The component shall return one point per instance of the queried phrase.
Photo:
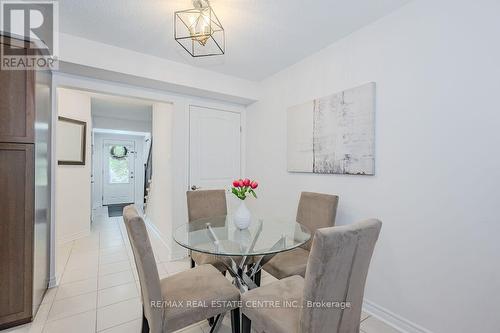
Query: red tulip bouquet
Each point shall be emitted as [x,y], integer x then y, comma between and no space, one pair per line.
[243,187]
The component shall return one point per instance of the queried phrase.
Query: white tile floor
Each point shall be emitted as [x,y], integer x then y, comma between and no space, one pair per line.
[99,289]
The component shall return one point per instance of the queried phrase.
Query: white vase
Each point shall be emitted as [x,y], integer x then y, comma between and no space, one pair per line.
[242,216]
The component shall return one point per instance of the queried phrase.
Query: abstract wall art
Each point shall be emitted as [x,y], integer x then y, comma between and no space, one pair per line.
[333,134]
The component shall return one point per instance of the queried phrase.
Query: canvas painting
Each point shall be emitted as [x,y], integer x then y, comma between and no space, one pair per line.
[333,134]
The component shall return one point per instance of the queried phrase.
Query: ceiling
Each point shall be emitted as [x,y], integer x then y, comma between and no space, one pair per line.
[262,36]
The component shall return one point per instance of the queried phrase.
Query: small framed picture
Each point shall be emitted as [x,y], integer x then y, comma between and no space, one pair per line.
[71,141]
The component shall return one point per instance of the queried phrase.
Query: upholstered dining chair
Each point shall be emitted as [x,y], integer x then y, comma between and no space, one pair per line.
[315,210]
[205,204]
[336,272]
[166,302]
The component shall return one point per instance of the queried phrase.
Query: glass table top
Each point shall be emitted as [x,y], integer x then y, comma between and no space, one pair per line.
[219,236]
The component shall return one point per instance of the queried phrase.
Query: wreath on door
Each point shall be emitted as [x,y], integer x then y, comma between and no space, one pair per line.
[119,152]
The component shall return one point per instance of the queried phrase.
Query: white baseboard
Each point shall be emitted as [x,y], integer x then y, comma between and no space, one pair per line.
[158,234]
[390,318]
[53,281]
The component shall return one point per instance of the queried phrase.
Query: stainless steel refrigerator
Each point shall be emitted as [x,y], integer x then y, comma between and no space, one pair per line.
[41,247]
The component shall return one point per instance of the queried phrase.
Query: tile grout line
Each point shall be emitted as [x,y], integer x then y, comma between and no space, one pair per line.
[127,322]
[131,259]
[54,299]
[66,317]
[110,304]
[85,293]
[75,281]
[139,317]
[91,278]
[97,292]
[66,262]
[98,278]
[120,271]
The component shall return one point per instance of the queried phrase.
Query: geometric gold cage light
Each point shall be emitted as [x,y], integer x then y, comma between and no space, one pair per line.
[199,31]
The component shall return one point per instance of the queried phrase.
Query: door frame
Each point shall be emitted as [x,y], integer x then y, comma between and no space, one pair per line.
[236,109]
[102,135]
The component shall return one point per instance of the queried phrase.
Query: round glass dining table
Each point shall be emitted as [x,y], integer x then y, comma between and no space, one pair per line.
[243,252]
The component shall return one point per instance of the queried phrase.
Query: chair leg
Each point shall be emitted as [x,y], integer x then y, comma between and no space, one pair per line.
[192,263]
[235,320]
[246,324]
[256,278]
[145,325]
[217,323]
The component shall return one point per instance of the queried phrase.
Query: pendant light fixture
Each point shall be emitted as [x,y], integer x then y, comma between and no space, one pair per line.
[199,31]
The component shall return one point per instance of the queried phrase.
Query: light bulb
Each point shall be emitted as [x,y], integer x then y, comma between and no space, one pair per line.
[199,27]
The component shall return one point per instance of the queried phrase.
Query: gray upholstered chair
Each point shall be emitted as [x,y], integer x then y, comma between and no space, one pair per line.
[165,301]
[205,204]
[315,210]
[336,272]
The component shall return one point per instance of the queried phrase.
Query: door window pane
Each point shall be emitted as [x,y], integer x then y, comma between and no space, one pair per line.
[119,172]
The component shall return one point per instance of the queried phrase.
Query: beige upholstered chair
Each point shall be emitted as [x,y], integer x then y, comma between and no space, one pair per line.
[165,301]
[336,272]
[315,211]
[205,204]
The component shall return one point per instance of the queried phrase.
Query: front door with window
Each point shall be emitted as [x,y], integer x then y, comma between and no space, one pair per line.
[118,172]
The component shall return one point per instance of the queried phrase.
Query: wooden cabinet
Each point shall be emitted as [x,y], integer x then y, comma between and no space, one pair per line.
[17,109]
[17,192]
[16,233]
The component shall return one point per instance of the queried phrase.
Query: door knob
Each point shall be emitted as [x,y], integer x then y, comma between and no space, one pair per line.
[194,188]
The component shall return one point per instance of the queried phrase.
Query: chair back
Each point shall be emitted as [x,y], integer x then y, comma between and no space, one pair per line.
[336,272]
[206,203]
[146,268]
[316,210]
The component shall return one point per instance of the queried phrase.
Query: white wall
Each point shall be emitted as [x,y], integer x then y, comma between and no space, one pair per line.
[85,57]
[72,182]
[437,171]
[121,124]
[159,205]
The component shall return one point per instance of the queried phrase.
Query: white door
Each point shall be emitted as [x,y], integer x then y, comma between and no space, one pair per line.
[214,148]
[118,183]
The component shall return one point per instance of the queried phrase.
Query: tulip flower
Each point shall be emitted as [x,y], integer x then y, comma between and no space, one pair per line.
[243,187]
